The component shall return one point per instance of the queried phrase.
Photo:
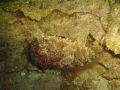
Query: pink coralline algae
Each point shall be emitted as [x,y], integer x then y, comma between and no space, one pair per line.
[62,53]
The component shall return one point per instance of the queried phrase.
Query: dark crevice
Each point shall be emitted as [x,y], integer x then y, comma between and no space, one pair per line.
[20,14]
[90,40]
[63,37]
[111,52]
[102,25]
[103,66]
[6,1]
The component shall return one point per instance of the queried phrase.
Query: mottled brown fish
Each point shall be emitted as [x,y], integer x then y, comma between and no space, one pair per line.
[61,53]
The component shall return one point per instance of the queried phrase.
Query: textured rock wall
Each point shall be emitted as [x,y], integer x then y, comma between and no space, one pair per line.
[92,23]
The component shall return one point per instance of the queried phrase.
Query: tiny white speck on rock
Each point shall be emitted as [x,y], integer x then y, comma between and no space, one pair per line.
[22,73]
[39,71]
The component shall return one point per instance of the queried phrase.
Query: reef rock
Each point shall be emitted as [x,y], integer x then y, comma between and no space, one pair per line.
[60,52]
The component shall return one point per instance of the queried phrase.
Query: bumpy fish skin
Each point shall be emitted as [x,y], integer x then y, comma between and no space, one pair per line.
[61,53]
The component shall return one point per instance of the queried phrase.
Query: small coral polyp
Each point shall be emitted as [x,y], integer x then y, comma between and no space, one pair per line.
[62,53]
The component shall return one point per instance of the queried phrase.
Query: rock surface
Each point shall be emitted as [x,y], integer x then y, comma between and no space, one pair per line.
[92,25]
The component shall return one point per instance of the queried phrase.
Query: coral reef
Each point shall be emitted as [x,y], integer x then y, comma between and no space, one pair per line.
[113,31]
[112,73]
[113,44]
[75,41]
[88,78]
[32,81]
[63,25]
[114,84]
[38,9]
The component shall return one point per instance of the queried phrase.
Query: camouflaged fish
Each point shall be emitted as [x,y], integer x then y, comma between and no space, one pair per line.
[62,53]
